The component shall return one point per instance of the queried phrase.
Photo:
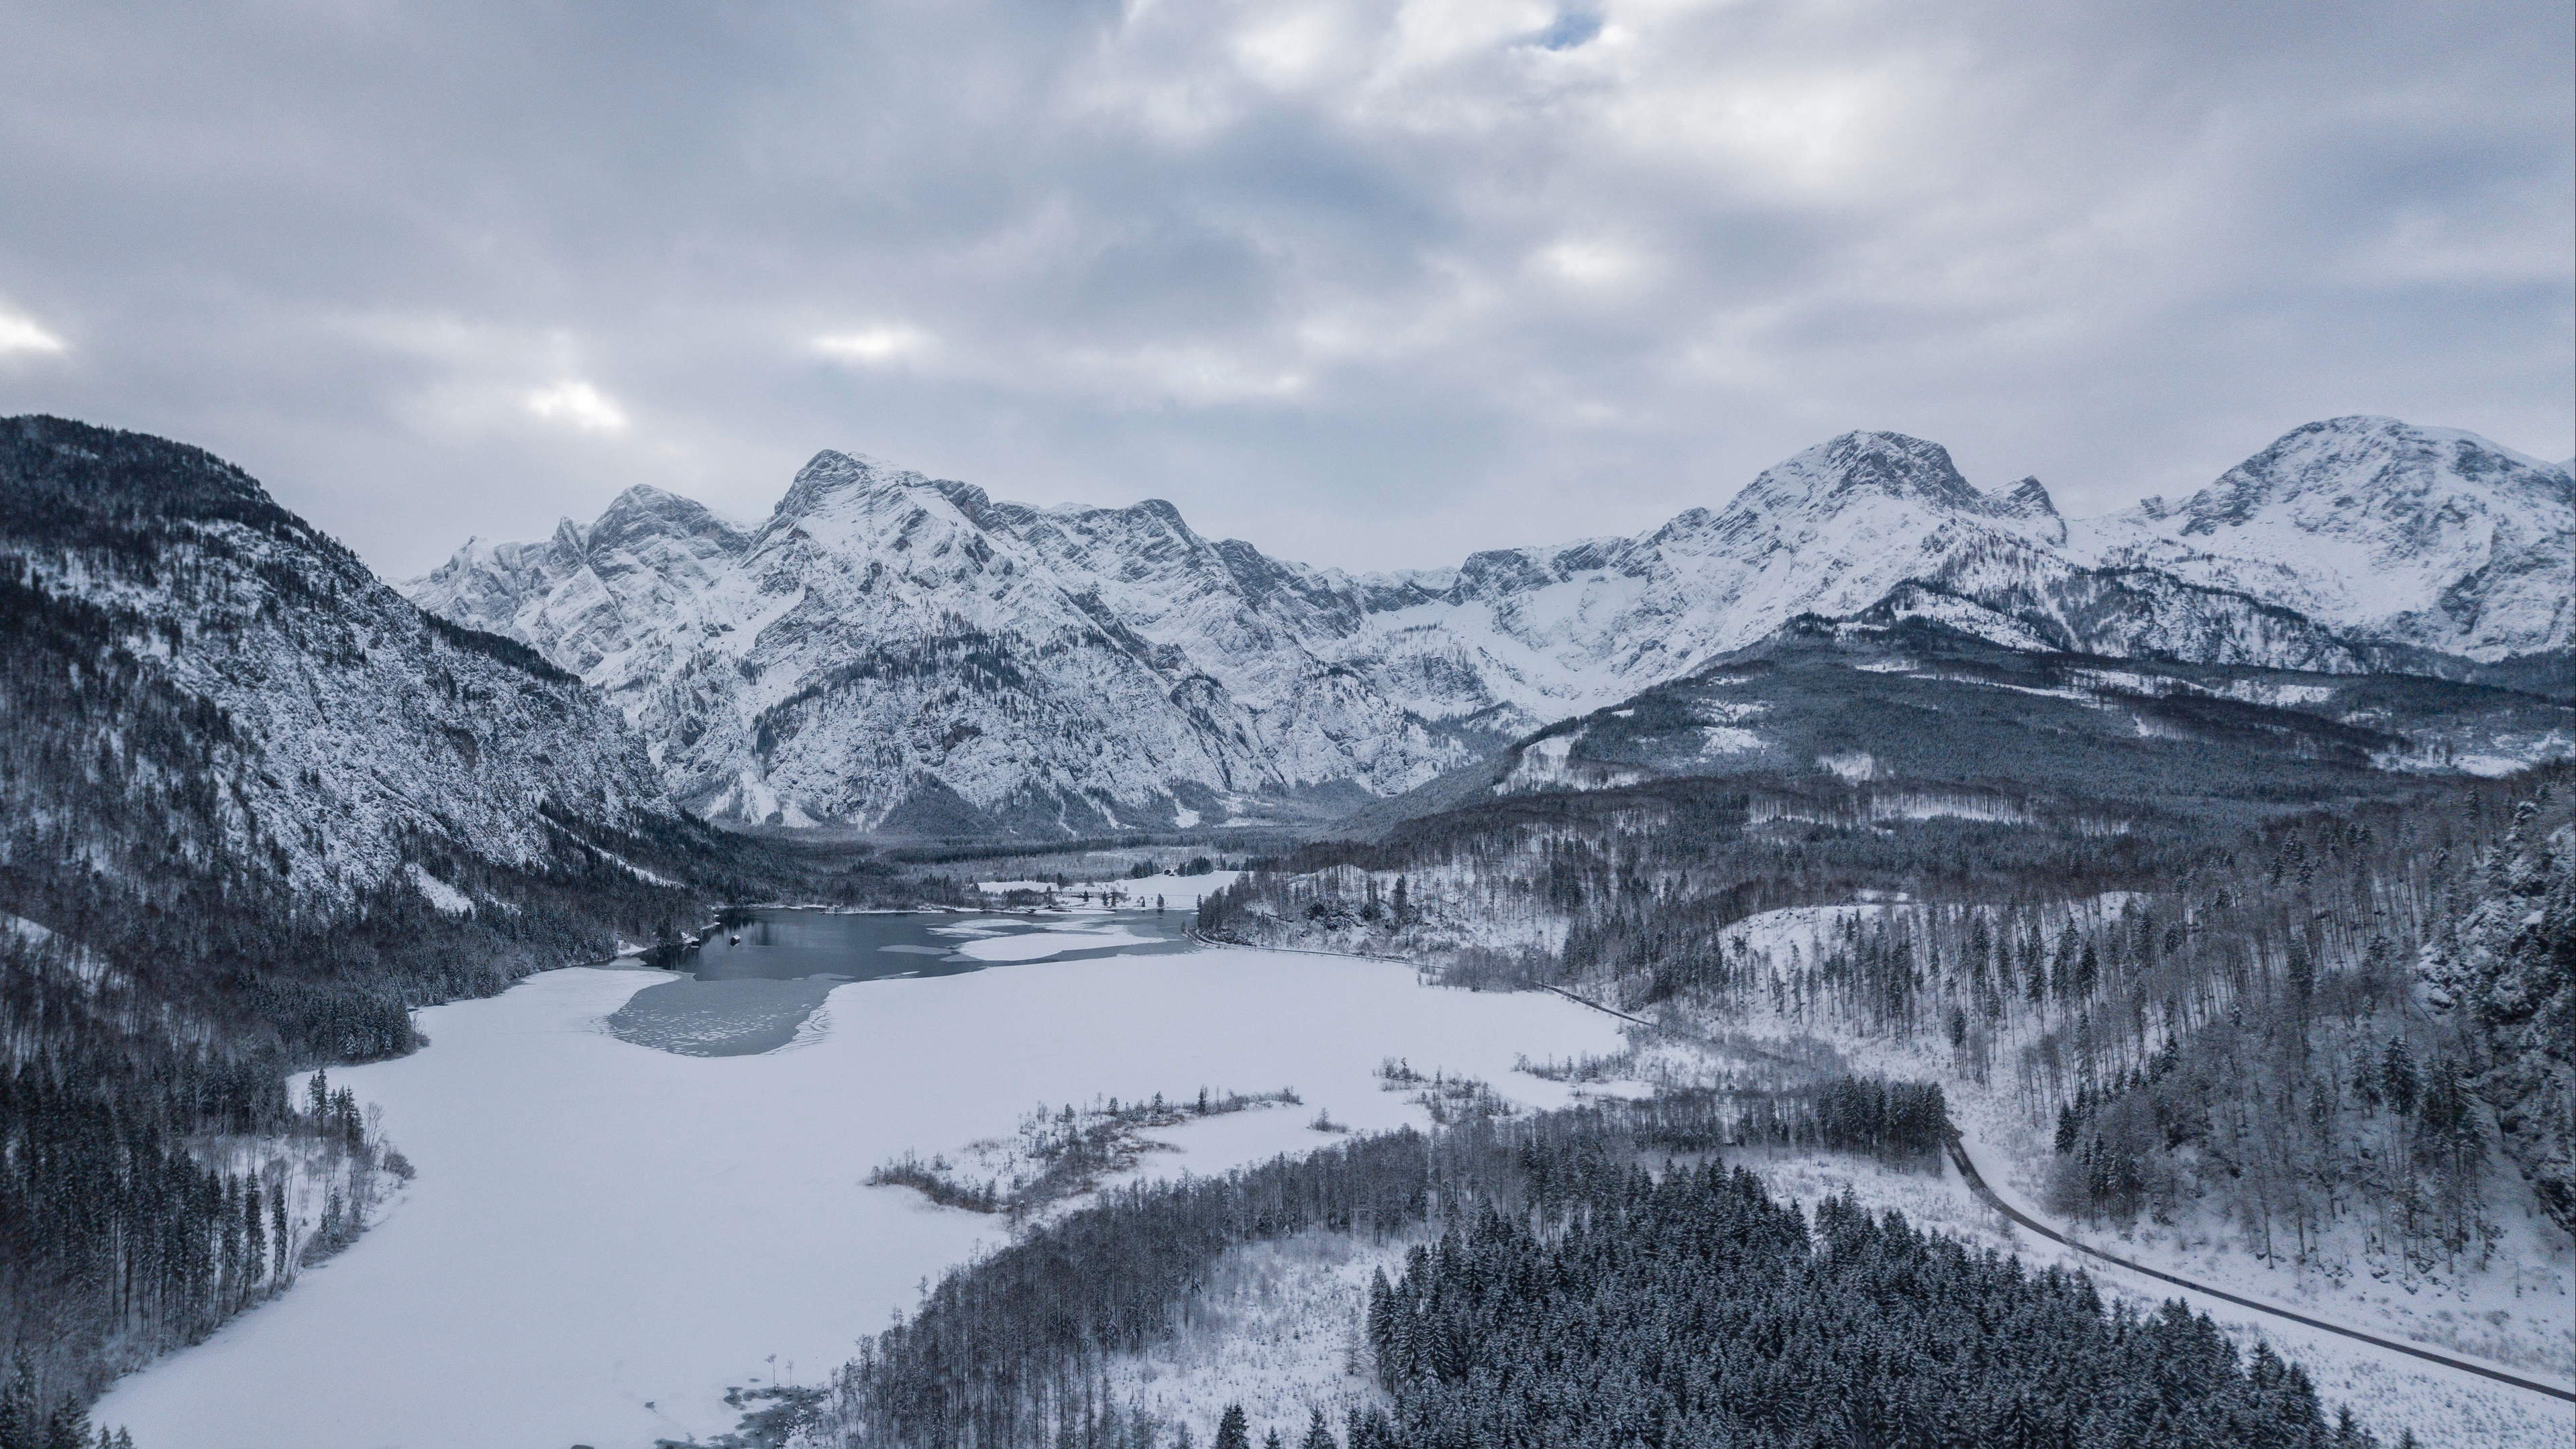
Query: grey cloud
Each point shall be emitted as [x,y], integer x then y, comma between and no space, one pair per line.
[1367,284]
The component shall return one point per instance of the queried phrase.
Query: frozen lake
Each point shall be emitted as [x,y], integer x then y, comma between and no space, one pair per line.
[605,1235]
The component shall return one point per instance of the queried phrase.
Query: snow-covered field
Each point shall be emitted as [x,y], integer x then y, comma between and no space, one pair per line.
[603,1237]
[1056,939]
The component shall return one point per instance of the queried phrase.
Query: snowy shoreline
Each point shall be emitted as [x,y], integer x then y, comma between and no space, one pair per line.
[604,1237]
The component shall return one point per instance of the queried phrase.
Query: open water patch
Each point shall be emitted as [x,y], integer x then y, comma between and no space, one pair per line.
[751,988]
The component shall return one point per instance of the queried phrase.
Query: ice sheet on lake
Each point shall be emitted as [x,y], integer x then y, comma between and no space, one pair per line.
[604,1236]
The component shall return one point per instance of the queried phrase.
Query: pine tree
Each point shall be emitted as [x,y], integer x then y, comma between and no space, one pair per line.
[254,1234]
[20,1420]
[67,1427]
[279,1241]
[1233,1429]
[1318,1435]
[2397,1076]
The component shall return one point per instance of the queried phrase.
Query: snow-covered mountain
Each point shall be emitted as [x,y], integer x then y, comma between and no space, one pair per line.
[201,687]
[896,653]
[2427,536]
[1849,524]
[893,652]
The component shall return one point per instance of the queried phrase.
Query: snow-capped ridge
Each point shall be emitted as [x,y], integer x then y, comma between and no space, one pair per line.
[1864,461]
[893,648]
[2435,537]
[831,474]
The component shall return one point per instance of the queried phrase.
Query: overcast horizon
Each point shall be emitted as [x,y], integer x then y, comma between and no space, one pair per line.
[1371,286]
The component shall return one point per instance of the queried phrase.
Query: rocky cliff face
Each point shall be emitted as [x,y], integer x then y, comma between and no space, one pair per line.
[893,652]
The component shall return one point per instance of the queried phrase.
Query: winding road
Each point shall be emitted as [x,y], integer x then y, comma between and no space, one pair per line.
[1977,1183]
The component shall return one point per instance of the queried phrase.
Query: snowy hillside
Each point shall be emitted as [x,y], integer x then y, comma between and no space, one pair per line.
[200,681]
[892,652]
[2427,536]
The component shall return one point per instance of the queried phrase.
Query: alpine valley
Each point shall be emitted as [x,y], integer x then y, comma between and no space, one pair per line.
[906,657]
[1859,829]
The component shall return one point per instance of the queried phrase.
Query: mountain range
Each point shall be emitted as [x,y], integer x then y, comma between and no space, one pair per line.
[893,653]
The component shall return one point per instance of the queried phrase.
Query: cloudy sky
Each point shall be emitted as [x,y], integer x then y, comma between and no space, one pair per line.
[1370,284]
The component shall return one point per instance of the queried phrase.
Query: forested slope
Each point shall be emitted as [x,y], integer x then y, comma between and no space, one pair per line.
[254,807]
[2501,967]
[2202,951]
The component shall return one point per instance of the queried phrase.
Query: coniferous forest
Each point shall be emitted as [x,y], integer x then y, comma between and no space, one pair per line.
[1593,1276]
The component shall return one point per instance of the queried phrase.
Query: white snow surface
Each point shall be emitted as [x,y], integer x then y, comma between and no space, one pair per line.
[1053,940]
[447,899]
[603,1237]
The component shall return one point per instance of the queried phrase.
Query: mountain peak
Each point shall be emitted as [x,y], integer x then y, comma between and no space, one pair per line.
[645,498]
[646,512]
[2361,463]
[2029,499]
[2028,502]
[1891,464]
[831,474]
[2431,536]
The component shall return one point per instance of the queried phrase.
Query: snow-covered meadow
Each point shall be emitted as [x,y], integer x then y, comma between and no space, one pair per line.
[603,1237]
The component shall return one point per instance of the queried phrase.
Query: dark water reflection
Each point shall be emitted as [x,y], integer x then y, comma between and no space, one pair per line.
[750,989]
